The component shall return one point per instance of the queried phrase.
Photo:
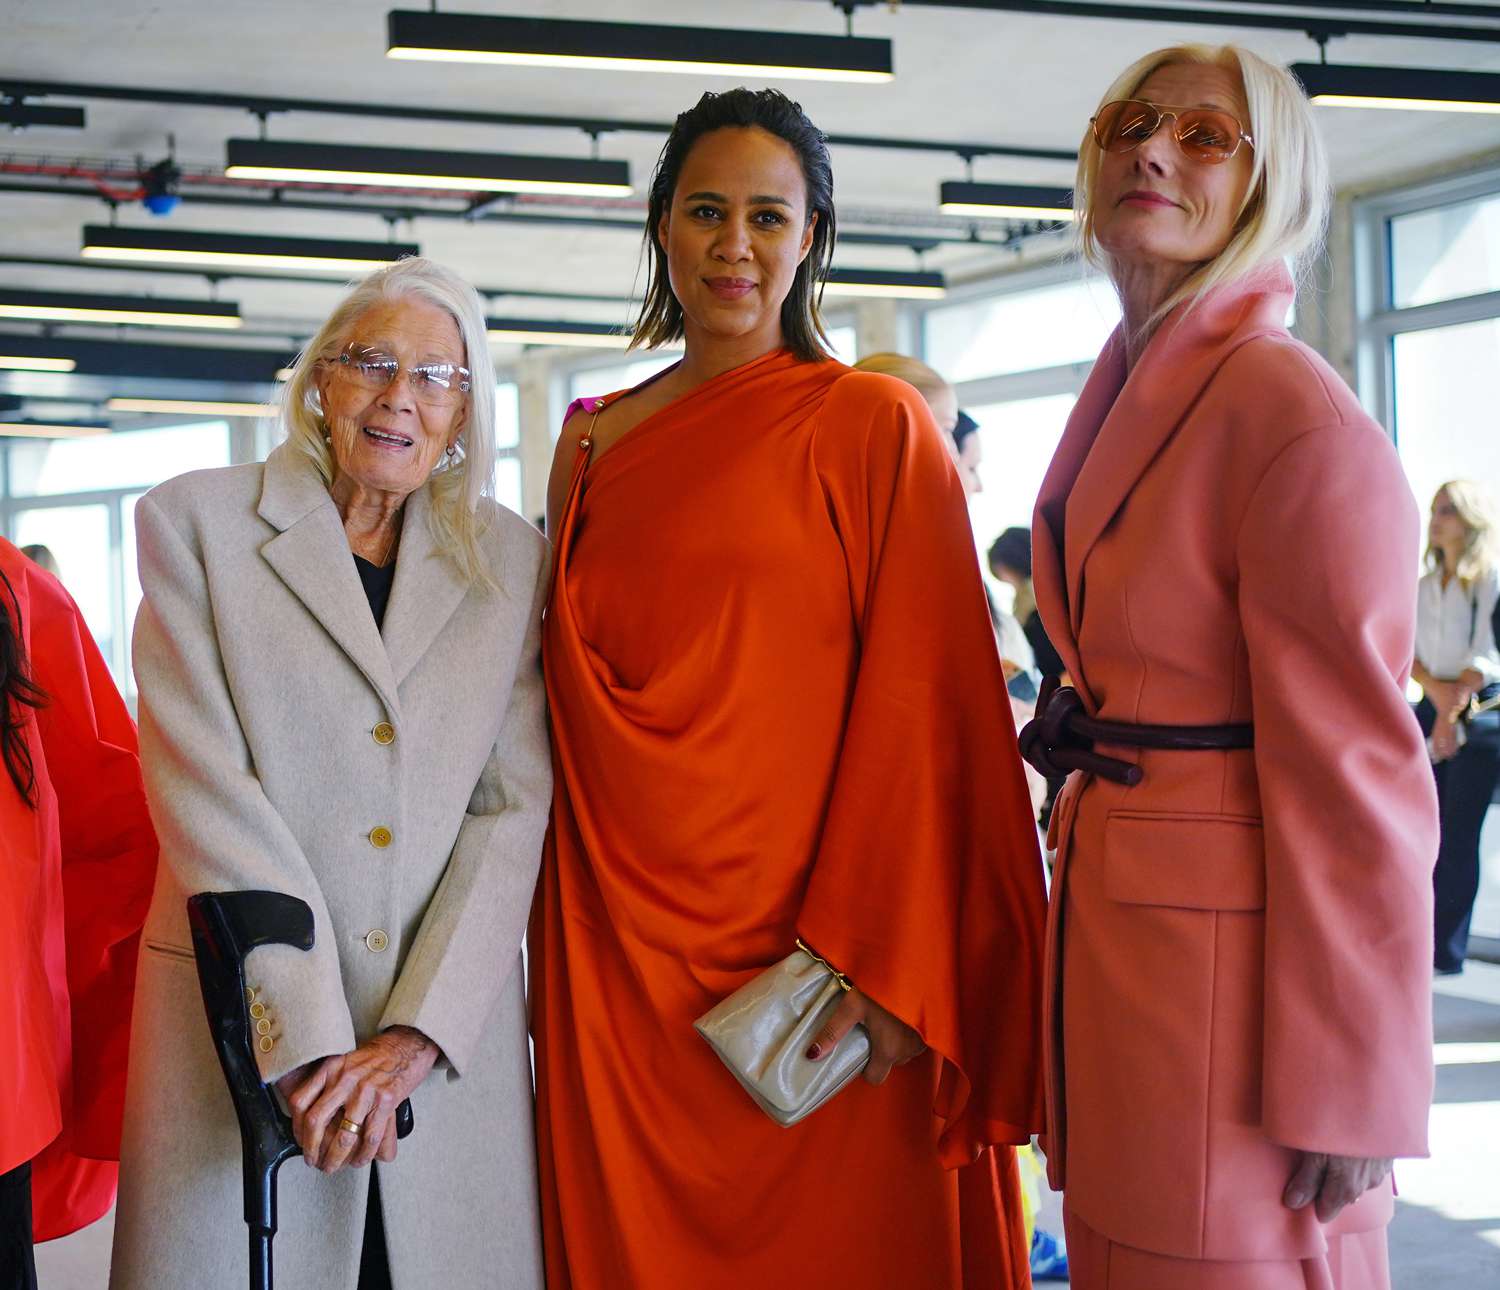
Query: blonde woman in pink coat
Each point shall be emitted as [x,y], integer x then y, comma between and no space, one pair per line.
[1240,942]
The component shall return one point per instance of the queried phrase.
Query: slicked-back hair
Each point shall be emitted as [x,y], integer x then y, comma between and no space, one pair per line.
[661,321]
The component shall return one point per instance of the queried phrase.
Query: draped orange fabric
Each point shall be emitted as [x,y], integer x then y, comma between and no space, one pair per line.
[777,710]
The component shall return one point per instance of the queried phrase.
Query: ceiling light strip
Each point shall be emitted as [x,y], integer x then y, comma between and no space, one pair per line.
[194,407]
[318,163]
[529,331]
[239,250]
[606,46]
[25,363]
[1405,89]
[1005,201]
[45,430]
[889,284]
[149,311]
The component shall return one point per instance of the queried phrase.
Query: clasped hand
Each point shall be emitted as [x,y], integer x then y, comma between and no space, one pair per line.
[364,1086]
[1332,1182]
[892,1042]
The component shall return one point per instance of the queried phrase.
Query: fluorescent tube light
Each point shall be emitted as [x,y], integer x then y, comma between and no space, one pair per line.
[319,163]
[1405,89]
[148,311]
[1005,201]
[46,430]
[641,47]
[529,331]
[239,250]
[194,407]
[22,363]
[886,283]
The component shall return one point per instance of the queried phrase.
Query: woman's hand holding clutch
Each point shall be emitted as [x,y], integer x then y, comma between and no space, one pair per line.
[892,1042]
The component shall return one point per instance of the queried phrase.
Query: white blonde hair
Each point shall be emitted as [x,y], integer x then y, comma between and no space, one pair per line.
[458,482]
[1476,509]
[1285,211]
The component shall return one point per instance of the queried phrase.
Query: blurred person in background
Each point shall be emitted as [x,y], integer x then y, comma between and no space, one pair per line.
[1458,668]
[42,555]
[968,451]
[77,860]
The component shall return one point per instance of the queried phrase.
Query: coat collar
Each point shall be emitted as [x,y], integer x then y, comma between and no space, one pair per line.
[1120,425]
[310,553]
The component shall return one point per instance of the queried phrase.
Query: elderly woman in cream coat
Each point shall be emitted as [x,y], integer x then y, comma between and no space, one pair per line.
[390,767]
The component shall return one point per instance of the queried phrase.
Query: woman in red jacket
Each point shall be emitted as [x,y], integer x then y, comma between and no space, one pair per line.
[77,861]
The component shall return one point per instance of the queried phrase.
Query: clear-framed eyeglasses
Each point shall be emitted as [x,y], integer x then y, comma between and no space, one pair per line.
[435,384]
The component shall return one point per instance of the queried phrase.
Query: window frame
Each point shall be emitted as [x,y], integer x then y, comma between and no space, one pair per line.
[1377,320]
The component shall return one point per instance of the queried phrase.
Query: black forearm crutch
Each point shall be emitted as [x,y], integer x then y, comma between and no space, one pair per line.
[226,926]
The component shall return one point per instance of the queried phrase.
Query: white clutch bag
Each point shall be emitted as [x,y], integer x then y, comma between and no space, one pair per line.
[763,1030]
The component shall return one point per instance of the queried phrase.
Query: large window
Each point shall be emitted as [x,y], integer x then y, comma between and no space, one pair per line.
[1018,359]
[77,497]
[1430,327]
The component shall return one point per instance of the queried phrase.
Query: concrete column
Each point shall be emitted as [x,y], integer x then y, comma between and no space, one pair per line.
[879,325]
[538,415]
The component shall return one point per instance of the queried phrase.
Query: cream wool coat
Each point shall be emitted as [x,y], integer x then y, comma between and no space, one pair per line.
[263,680]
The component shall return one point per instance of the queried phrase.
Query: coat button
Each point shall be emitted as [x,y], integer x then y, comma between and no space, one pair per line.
[257,1010]
[380,837]
[376,941]
[267,1043]
[263,1026]
[384,733]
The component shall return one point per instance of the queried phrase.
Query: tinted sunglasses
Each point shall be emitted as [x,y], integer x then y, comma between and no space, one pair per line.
[1204,134]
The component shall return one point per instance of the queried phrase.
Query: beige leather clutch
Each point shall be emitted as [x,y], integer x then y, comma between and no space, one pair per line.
[762,1032]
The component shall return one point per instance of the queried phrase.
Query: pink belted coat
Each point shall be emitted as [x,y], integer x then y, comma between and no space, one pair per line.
[1239,947]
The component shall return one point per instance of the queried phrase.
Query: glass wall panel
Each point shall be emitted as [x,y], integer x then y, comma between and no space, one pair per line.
[79,537]
[1447,387]
[1018,438]
[508,483]
[507,415]
[125,459]
[1067,322]
[843,342]
[594,381]
[1445,252]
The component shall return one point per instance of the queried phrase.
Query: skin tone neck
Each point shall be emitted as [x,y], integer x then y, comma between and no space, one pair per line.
[1160,214]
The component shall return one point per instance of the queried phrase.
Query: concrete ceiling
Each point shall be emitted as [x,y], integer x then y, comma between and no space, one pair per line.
[962,74]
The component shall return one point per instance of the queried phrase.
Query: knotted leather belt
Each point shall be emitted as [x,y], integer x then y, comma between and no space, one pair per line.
[1062,736]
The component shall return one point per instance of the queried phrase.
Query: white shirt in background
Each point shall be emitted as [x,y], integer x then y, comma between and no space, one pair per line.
[1455,631]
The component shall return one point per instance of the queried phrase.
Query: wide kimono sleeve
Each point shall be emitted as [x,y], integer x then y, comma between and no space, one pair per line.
[471,934]
[927,887]
[219,831]
[1327,558]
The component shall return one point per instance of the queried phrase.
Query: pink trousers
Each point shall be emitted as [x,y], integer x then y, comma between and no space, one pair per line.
[1354,1262]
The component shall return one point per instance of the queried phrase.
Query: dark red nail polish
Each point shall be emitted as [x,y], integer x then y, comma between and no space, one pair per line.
[812,1053]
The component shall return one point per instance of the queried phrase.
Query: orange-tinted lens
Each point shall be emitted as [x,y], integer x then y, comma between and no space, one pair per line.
[1208,136]
[1124,125]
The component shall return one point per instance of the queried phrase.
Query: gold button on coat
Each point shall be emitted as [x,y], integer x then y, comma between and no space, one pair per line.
[267,1043]
[384,733]
[380,836]
[263,1026]
[377,941]
[257,1010]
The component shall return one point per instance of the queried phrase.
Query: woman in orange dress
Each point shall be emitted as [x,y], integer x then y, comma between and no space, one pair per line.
[778,711]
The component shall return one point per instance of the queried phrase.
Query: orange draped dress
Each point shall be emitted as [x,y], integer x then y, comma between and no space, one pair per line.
[778,710]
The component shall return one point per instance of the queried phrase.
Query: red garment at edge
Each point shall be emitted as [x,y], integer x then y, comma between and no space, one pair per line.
[75,880]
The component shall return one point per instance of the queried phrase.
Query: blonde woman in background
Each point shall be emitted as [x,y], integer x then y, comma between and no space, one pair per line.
[1458,663]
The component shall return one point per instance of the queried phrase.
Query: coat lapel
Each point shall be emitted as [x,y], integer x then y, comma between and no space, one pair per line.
[1054,596]
[427,591]
[311,555]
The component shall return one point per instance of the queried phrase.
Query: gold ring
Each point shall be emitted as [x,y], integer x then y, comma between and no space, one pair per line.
[351,1126]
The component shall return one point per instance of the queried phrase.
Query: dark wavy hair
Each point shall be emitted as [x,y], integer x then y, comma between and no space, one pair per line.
[660,321]
[17,691]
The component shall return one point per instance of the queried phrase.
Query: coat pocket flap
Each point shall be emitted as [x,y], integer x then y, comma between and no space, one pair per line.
[1186,861]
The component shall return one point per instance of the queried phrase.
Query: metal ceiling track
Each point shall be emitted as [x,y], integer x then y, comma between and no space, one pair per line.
[265,106]
[1332,22]
[913,241]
